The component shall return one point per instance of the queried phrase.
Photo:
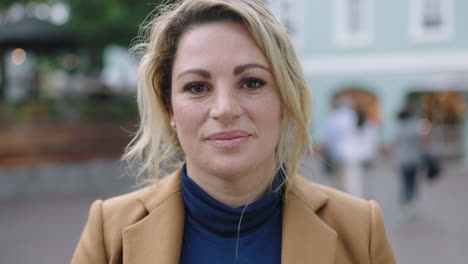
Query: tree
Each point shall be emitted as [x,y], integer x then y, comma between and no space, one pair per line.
[101,22]
[97,23]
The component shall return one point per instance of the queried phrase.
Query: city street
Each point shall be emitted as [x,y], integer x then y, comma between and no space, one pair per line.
[82,82]
[42,229]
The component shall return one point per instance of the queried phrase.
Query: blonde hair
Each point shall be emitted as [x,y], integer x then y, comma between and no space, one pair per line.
[155,144]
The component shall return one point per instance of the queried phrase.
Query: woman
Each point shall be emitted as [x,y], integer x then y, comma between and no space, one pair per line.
[223,98]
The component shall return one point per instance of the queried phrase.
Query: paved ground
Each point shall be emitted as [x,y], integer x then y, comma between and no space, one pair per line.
[43,229]
[436,230]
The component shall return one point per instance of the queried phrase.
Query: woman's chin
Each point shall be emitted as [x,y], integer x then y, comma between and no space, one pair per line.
[230,171]
[231,168]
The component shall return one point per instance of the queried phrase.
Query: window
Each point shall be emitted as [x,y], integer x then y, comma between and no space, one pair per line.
[352,23]
[291,14]
[431,20]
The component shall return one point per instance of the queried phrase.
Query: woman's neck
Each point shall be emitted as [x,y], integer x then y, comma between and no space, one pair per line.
[233,190]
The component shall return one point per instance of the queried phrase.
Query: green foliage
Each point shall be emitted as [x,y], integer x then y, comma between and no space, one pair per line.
[97,23]
[72,110]
[6,3]
[117,110]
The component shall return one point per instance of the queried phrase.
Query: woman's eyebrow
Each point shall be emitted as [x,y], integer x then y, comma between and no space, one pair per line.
[200,72]
[237,70]
[241,68]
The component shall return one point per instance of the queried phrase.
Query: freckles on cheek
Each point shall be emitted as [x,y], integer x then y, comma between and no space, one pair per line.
[186,116]
[269,110]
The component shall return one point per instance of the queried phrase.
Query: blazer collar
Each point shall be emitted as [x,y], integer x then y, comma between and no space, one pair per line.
[305,236]
[157,238]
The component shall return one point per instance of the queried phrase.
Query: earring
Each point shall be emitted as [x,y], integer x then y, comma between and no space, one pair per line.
[173,124]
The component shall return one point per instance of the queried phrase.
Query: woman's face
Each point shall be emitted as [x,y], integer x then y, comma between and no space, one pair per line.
[226,105]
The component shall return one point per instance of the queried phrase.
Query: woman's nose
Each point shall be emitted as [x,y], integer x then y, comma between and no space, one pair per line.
[225,105]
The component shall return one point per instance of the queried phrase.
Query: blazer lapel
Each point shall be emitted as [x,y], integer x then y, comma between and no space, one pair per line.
[157,238]
[305,236]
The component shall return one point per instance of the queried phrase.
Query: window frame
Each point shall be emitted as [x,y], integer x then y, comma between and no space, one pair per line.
[419,33]
[342,36]
[296,16]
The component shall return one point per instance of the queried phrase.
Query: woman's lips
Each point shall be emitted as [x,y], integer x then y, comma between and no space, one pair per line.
[228,139]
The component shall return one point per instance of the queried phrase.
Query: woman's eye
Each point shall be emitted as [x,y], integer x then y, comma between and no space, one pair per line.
[252,83]
[196,88]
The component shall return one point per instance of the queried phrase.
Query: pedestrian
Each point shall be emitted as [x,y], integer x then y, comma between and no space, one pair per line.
[408,153]
[339,127]
[222,95]
[359,151]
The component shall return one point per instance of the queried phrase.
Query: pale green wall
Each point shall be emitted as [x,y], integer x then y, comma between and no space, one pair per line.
[390,29]
[390,36]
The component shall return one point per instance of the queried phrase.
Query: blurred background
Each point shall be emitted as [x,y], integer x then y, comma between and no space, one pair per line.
[68,109]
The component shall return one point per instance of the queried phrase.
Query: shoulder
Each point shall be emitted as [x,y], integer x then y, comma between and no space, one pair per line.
[125,208]
[131,207]
[349,216]
[102,235]
[324,198]
[358,223]
[338,209]
[340,202]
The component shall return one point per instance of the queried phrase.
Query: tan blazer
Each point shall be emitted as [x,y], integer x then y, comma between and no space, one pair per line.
[320,226]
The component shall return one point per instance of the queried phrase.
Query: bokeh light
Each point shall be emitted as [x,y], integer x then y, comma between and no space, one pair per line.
[59,13]
[18,56]
[42,11]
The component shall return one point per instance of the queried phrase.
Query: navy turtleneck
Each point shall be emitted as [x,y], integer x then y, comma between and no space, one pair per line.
[211,227]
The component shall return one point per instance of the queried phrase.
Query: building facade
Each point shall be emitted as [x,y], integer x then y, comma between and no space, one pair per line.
[385,54]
